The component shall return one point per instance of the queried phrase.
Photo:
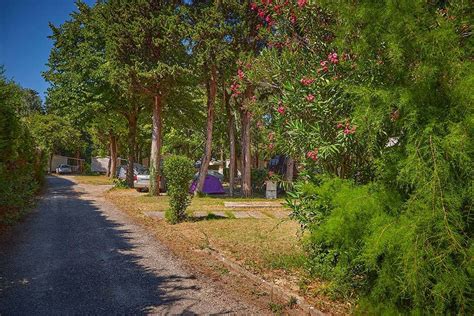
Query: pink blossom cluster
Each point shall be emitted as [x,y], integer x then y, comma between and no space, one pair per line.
[310,98]
[347,127]
[324,66]
[266,11]
[240,74]
[281,110]
[302,3]
[307,81]
[235,89]
[313,154]
[333,58]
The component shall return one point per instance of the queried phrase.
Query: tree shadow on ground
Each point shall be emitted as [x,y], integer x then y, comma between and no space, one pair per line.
[68,258]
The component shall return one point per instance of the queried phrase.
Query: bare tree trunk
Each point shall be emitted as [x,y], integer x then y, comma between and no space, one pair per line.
[211,100]
[132,137]
[109,163]
[290,165]
[113,156]
[246,155]
[231,131]
[51,162]
[156,142]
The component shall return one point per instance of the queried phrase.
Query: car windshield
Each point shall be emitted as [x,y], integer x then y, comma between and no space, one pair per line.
[143,171]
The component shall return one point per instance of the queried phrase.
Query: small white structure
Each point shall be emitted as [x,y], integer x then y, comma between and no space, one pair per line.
[271,191]
[75,163]
[101,164]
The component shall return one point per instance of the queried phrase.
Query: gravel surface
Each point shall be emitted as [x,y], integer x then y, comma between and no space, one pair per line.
[78,254]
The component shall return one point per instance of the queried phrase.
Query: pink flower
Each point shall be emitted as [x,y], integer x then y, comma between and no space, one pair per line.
[302,3]
[313,154]
[323,63]
[310,98]
[293,18]
[241,74]
[307,81]
[259,124]
[333,58]
[281,110]
[339,125]
[253,6]
[271,136]
[271,146]
[261,13]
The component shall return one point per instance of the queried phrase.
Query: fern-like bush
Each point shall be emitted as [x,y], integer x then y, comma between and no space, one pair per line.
[179,172]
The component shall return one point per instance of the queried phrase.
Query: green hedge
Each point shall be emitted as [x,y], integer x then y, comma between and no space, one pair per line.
[21,165]
[179,172]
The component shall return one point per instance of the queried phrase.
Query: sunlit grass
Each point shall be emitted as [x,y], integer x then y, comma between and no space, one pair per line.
[93,179]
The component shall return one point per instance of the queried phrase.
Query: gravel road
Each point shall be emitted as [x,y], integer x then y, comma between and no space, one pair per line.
[78,254]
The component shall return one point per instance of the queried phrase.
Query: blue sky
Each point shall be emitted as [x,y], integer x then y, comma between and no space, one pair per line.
[24,43]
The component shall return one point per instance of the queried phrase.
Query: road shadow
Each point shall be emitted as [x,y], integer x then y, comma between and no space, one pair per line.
[68,258]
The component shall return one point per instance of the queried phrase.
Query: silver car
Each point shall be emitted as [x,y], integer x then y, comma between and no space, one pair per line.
[62,169]
[141,181]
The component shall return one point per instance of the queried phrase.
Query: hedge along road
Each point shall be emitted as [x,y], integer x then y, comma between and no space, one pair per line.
[77,254]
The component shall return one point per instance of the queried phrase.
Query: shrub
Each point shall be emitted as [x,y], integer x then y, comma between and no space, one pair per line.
[369,243]
[179,172]
[258,177]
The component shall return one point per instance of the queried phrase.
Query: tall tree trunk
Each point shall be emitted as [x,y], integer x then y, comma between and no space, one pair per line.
[246,154]
[113,156]
[211,100]
[109,163]
[132,138]
[156,142]
[231,131]
[290,165]
[51,162]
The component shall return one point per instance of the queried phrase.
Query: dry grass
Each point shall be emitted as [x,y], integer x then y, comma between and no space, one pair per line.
[268,247]
[145,202]
[94,179]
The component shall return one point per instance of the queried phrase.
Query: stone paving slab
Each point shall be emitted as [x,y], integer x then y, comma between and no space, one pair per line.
[155,214]
[256,214]
[253,205]
[281,214]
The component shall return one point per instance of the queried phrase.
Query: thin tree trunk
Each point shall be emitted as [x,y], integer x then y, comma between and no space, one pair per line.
[211,100]
[246,155]
[156,141]
[51,162]
[132,137]
[231,131]
[109,163]
[290,165]
[113,156]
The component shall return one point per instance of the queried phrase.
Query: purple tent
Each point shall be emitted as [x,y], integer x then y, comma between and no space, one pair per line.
[212,185]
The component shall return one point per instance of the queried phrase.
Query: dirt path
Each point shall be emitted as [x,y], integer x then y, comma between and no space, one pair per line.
[78,254]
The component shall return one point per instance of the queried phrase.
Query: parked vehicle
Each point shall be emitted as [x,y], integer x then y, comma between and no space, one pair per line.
[63,169]
[137,169]
[141,181]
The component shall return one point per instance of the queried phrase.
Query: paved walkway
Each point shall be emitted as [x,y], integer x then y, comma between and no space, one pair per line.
[79,255]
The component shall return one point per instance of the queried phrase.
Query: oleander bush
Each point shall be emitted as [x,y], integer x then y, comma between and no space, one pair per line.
[375,99]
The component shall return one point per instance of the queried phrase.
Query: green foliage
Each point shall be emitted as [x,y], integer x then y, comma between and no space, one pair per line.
[393,115]
[258,178]
[21,164]
[179,172]
[120,183]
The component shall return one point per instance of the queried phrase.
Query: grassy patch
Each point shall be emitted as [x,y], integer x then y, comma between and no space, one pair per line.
[269,247]
[93,179]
